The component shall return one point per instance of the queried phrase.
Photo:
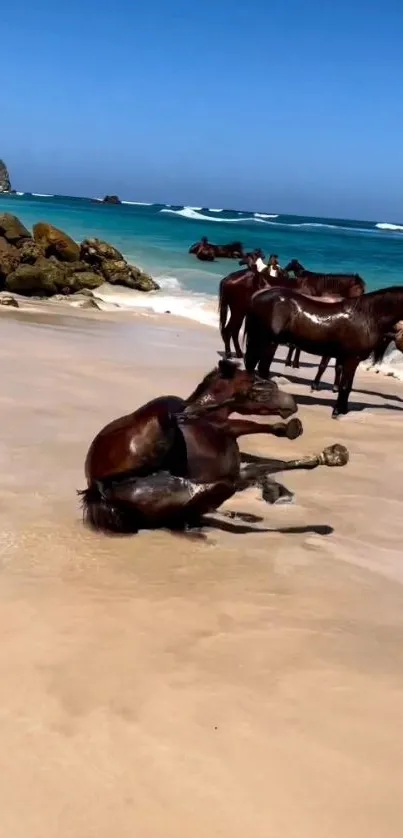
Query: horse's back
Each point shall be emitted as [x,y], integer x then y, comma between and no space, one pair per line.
[125,443]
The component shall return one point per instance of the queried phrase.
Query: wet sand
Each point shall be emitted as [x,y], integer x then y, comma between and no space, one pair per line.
[247,684]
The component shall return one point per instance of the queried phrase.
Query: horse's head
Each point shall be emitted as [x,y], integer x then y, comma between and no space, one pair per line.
[249,259]
[357,287]
[294,267]
[240,391]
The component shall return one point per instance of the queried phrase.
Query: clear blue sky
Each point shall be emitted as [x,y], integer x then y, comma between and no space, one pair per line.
[290,106]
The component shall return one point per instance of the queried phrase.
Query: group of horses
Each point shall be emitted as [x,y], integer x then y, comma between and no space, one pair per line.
[325,314]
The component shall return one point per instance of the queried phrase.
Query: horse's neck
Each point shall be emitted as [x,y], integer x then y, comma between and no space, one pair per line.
[388,309]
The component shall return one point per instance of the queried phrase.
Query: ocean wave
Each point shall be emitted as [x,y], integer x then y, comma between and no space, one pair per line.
[20,193]
[264,215]
[195,215]
[199,307]
[41,195]
[135,203]
[394,227]
[171,283]
[210,209]
[391,364]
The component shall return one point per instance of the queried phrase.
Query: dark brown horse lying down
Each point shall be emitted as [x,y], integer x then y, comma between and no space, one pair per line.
[174,460]
[349,331]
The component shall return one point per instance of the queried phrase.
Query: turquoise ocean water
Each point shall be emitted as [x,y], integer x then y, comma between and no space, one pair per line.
[157,238]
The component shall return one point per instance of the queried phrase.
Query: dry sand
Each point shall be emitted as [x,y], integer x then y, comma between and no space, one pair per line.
[247,685]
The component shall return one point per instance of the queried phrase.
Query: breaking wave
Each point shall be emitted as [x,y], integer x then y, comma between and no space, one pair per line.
[195,215]
[398,228]
[264,215]
[136,203]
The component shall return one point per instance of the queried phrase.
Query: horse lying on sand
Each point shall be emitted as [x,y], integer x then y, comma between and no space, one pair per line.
[349,331]
[174,460]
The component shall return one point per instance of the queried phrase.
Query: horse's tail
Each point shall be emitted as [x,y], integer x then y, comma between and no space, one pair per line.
[222,307]
[102,513]
[252,341]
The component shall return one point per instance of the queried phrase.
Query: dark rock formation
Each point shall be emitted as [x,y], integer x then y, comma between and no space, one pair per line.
[5,183]
[12,228]
[56,243]
[111,199]
[95,251]
[52,264]
[9,258]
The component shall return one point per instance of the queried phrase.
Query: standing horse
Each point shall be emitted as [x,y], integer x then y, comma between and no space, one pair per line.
[349,331]
[235,293]
[347,285]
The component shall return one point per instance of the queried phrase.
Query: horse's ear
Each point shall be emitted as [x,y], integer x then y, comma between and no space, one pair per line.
[227,368]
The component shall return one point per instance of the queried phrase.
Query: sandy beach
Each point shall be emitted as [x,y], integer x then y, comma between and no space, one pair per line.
[247,684]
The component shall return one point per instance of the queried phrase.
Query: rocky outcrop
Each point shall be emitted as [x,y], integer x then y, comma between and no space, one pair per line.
[114,268]
[111,199]
[5,183]
[52,263]
[12,229]
[56,243]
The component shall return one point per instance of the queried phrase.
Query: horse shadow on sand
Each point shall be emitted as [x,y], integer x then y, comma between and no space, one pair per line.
[314,397]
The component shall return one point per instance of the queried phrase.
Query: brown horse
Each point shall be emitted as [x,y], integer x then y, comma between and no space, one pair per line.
[349,331]
[235,293]
[206,251]
[317,284]
[141,441]
[200,466]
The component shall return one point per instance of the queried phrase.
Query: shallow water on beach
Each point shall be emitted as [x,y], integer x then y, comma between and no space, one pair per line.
[157,237]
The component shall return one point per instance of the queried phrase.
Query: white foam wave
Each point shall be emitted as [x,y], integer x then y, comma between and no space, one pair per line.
[195,215]
[136,203]
[391,364]
[210,209]
[20,193]
[264,215]
[169,282]
[198,307]
[41,195]
[394,227]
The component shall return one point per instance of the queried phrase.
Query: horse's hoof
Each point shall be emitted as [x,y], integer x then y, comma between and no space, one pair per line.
[335,455]
[294,429]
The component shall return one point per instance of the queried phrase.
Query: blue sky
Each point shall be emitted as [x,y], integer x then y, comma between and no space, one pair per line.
[287,107]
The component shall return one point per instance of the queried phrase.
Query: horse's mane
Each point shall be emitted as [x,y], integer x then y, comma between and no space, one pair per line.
[373,299]
[202,385]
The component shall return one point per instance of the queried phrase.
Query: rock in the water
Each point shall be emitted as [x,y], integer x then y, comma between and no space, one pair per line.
[84,280]
[5,183]
[95,251]
[9,258]
[56,243]
[120,273]
[111,199]
[8,300]
[12,229]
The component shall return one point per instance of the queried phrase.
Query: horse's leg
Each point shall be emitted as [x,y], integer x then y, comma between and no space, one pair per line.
[266,359]
[235,329]
[295,363]
[348,369]
[321,369]
[337,376]
[160,500]
[333,455]
[226,336]
[288,360]
[243,427]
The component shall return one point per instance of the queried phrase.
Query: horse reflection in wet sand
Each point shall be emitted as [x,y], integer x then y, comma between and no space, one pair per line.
[174,460]
[349,331]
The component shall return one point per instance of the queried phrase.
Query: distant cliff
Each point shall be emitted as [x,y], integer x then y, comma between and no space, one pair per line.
[5,183]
